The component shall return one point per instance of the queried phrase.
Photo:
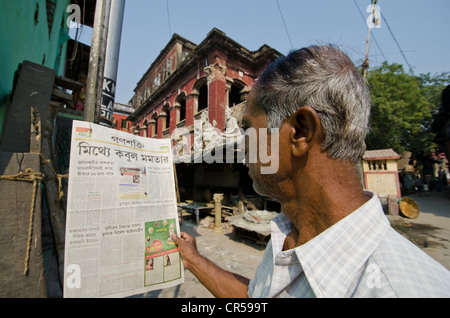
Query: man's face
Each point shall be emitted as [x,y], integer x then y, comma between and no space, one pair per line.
[261,149]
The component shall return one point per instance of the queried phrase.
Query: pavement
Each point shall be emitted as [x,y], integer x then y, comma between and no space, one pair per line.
[430,231]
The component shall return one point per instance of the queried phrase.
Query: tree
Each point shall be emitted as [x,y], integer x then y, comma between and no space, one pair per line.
[401,114]
[432,87]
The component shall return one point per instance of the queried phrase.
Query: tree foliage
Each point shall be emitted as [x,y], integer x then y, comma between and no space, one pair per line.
[402,106]
[432,87]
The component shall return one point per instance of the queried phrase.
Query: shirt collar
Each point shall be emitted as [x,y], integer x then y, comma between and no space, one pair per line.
[332,260]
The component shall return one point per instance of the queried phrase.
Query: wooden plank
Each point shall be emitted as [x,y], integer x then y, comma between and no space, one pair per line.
[68,83]
[15,202]
[59,95]
[33,88]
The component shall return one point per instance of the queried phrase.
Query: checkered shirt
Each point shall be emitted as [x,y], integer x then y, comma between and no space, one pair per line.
[360,256]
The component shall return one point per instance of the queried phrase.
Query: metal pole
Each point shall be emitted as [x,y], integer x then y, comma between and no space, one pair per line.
[111,62]
[102,59]
[96,60]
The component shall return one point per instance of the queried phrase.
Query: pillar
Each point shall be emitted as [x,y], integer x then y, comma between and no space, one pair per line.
[160,125]
[217,93]
[218,197]
[173,118]
[143,131]
[151,128]
[190,110]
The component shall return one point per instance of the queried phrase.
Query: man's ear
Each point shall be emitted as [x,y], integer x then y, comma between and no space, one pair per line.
[306,130]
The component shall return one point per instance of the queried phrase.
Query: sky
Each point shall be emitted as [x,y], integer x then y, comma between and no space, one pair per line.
[416,33]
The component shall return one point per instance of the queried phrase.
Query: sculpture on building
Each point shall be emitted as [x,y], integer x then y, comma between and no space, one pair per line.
[180,147]
[232,130]
[206,138]
[205,134]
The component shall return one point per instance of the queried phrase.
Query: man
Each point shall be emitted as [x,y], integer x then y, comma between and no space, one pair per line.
[332,239]
[441,123]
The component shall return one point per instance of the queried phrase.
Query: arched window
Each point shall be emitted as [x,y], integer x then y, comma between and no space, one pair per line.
[144,127]
[167,120]
[181,100]
[203,97]
[155,125]
[234,97]
[237,92]
[201,91]
[183,109]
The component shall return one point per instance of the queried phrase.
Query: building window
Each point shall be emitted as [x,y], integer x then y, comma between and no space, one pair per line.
[183,109]
[139,98]
[144,129]
[167,120]
[234,97]
[154,122]
[157,81]
[181,101]
[167,69]
[377,165]
[203,97]
[148,90]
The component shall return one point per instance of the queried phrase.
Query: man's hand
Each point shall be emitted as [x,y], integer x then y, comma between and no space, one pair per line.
[187,247]
[219,282]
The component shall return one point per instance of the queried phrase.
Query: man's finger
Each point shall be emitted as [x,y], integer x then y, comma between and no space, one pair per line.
[175,238]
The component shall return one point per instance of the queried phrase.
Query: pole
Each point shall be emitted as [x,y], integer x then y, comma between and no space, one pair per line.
[96,60]
[108,92]
[365,64]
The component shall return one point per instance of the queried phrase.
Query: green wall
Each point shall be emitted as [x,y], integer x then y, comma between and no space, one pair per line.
[24,35]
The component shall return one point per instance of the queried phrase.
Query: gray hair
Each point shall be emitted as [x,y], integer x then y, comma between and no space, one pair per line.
[325,79]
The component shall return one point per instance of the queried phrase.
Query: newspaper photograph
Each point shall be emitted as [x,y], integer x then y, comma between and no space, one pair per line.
[121,213]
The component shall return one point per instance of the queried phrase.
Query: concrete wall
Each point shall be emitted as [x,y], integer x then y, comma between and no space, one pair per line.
[382,179]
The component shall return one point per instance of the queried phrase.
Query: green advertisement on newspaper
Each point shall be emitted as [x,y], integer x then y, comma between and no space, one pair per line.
[162,260]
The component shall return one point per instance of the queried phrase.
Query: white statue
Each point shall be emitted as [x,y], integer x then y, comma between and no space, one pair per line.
[232,127]
[205,134]
[181,150]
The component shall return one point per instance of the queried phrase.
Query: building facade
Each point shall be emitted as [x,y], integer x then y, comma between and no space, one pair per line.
[120,116]
[381,172]
[187,80]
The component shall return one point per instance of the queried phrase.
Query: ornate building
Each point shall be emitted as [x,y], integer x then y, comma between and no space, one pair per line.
[120,116]
[187,80]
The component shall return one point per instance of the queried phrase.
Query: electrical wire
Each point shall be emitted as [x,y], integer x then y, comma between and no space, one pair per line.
[168,18]
[398,45]
[284,22]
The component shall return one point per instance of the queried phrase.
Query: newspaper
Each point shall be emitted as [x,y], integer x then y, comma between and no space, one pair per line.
[121,213]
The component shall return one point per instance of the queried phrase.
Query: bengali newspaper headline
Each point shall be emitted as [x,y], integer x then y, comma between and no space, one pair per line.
[86,148]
